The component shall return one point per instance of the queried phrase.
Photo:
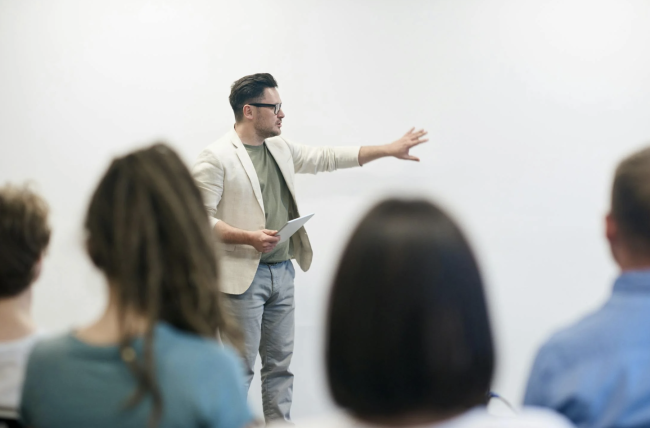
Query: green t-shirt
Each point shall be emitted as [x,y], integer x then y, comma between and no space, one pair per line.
[278,203]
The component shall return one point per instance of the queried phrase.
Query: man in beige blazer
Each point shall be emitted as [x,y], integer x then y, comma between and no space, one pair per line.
[247,182]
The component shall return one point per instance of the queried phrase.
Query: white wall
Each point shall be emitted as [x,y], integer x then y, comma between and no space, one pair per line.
[529,105]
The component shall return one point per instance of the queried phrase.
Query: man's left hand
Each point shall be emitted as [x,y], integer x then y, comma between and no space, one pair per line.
[400,148]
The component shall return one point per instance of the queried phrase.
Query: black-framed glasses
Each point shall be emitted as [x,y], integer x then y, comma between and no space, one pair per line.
[276,107]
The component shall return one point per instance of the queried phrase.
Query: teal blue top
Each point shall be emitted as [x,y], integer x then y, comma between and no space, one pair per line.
[70,383]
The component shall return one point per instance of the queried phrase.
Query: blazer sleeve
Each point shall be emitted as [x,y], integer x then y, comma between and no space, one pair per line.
[312,160]
[208,174]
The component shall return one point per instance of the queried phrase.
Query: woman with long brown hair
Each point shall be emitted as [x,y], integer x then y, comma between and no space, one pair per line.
[152,358]
[409,341]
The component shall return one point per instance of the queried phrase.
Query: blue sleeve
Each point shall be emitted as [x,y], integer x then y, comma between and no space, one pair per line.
[224,398]
[542,388]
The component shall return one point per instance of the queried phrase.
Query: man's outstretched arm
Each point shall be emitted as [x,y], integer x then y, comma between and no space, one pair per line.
[398,149]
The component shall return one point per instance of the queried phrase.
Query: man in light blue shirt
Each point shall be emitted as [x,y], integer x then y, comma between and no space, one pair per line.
[597,372]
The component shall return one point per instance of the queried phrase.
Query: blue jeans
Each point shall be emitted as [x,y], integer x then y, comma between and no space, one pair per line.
[265,313]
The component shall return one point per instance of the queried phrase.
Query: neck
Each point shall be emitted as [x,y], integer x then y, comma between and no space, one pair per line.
[248,135]
[630,266]
[110,328]
[15,317]
[629,260]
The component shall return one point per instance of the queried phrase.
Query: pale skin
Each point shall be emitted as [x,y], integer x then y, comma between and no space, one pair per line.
[107,330]
[260,123]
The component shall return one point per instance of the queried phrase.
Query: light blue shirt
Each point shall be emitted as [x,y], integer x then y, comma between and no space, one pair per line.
[597,372]
[70,383]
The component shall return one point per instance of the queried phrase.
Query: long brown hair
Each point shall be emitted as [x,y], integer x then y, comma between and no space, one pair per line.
[149,234]
[408,330]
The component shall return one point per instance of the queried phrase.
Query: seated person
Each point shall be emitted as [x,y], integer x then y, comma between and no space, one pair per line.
[409,341]
[596,372]
[24,236]
[152,358]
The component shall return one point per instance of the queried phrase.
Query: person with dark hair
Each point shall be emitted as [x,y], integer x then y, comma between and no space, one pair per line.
[596,371]
[24,237]
[247,181]
[408,339]
[152,359]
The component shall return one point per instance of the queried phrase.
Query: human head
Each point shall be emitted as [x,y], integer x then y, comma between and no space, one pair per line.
[257,88]
[408,328]
[628,224]
[24,236]
[148,232]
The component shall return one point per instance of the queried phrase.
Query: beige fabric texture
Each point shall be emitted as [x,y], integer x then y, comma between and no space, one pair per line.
[226,177]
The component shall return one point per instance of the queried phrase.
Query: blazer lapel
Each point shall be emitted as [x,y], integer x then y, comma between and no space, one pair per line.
[248,167]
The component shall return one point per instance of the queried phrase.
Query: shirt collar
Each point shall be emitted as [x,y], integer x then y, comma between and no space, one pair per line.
[634,281]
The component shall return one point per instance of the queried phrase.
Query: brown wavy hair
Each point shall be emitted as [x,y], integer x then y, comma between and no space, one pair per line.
[148,232]
[24,236]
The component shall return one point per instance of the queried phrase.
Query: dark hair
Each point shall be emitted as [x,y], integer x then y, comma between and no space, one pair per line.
[408,329]
[24,236]
[247,89]
[149,234]
[631,200]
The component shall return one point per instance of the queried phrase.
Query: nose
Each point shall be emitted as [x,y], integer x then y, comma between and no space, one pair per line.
[280,113]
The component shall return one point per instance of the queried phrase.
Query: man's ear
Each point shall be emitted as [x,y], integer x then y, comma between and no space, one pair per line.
[611,229]
[248,112]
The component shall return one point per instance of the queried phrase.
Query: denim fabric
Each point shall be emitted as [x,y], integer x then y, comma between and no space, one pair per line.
[597,372]
[265,313]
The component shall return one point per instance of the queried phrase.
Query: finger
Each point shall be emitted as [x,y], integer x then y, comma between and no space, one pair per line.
[410,131]
[270,232]
[412,158]
[415,143]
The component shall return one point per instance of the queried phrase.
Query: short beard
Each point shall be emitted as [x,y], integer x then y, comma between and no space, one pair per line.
[266,132]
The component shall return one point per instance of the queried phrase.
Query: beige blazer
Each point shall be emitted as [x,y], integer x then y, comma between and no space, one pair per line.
[231,192]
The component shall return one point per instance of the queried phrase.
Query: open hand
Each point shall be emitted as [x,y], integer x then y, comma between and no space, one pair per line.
[400,148]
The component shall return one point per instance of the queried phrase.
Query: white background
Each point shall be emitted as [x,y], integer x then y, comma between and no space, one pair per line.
[529,106]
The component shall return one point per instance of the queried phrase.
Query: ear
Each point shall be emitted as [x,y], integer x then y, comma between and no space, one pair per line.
[248,112]
[611,229]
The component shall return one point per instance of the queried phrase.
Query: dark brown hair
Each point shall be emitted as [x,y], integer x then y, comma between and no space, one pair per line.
[408,328]
[149,234]
[24,236]
[631,200]
[247,89]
